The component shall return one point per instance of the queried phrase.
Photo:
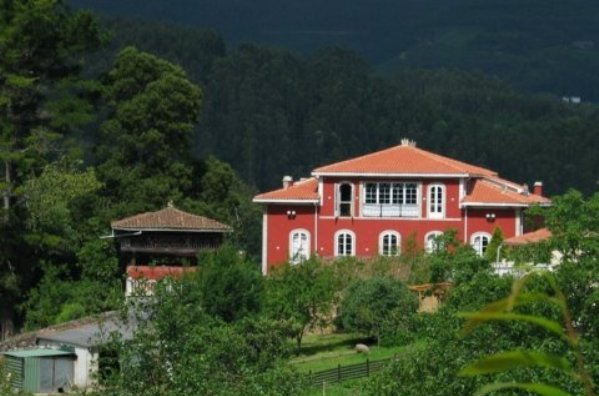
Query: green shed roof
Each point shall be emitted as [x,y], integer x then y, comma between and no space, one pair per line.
[25,353]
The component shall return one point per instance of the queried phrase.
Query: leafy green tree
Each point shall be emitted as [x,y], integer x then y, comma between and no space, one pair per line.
[144,146]
[42,102]
[303,295]
[179,350]
[369,303]
[231,285]
[574,223]
[52,198]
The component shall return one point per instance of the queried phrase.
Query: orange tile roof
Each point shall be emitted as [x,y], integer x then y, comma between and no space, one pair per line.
[489,192]
[169,218]
[530,237]
[402,159]
[305,190]
[157,273]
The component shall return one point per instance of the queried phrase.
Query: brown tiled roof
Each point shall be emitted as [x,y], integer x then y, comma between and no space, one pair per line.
[492,192]
[403,159]
[530,237]
[169,218]
[305,190]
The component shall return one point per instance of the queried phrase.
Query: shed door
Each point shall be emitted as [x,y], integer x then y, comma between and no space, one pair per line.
[56,373]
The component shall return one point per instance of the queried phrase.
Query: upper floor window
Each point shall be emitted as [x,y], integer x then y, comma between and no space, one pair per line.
[344,200]
[345,244]
[479,242]
[389,243]
[386,199]
[436,201]
[432,241]
[299,246]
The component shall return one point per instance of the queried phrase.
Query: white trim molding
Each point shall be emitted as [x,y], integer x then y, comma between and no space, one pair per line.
[264,242]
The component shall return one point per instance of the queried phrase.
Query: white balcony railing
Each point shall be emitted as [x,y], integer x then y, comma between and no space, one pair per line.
[378,210]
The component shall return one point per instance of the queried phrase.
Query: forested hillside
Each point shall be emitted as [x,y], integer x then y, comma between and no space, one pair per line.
[536,45]
[271,112]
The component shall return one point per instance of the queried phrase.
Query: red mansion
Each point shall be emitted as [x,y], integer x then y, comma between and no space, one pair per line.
[369,205]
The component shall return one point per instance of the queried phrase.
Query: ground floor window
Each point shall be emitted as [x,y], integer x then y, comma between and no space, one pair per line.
[432,241]
[389,243]
[299,246]
[345,244]
[479,242]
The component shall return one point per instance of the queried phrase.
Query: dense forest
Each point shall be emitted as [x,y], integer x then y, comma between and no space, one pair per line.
[271,112]
[536,45]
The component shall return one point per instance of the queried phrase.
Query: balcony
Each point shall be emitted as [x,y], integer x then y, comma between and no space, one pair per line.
[185,245]
[387,210]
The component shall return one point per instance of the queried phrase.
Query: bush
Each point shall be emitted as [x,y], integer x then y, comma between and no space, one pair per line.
[370,305]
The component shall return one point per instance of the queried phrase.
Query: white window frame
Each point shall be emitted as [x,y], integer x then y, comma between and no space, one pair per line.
[428,245]
[479,248]
[390,209]
[431,201]
[353,243]
[382,236]
[294,258]
[338,201]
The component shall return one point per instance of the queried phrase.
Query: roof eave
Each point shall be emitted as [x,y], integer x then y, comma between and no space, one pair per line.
[195,230]
[494,205]
[391,174]
[286,201]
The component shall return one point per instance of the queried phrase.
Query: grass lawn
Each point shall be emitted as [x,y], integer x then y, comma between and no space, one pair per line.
[322,352]
[347,388]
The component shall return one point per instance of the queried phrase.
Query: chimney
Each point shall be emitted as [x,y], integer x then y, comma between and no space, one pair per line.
[408,143]
[287,182]
[525,190]
[537,188]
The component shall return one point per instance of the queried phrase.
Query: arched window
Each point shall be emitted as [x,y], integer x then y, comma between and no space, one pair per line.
[436,201]
[479,242]
[344,200]
[299,246]
[432,242]
[345,243]
[389,243]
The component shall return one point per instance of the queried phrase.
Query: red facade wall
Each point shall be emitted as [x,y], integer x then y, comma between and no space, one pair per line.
[368,229]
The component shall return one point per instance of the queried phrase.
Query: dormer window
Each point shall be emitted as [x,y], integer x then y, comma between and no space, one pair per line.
[344,200]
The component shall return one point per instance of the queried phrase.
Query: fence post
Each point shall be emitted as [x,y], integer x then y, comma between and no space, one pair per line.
[367,367]
[339,372]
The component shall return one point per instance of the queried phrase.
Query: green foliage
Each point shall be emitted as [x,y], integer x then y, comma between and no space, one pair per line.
[185,351]
[574,223]
[144,155]
[454,261]
[370,303]
[42,44]
[231,285]
[501,310]
[494,244]
[58,297]
[302,295]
